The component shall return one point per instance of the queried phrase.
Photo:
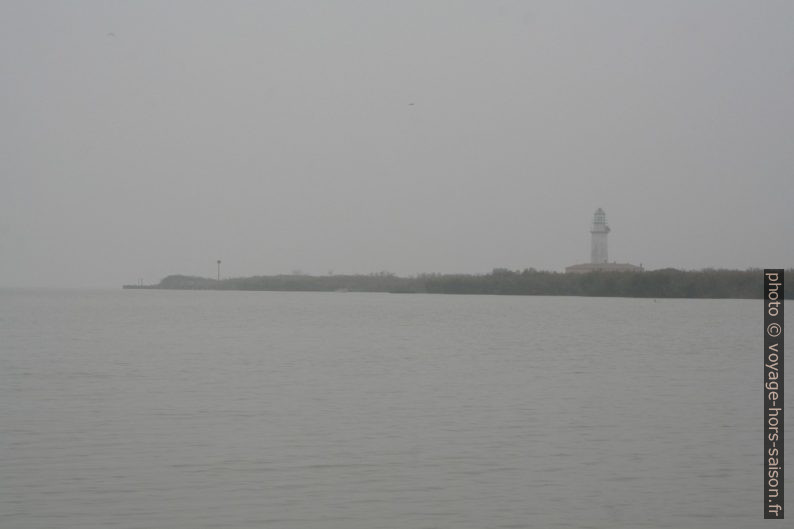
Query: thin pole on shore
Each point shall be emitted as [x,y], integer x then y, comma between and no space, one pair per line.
[219,269]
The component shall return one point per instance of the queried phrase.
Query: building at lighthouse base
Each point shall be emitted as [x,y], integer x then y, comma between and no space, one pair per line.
[602,267]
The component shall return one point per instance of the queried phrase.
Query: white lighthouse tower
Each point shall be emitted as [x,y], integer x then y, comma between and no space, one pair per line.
[598,242]
[599,258]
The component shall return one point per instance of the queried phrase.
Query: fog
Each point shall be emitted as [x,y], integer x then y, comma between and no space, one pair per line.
[141,139]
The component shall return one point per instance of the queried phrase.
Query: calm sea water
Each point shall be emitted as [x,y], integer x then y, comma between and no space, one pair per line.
[157,409]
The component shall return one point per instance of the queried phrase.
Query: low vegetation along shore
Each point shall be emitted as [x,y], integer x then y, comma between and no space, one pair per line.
[665,283]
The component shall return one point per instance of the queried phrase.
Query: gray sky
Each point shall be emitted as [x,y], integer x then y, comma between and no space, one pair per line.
[141,139]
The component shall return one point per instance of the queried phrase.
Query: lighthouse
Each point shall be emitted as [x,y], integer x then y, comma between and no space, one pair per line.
[599,257]
[598,241]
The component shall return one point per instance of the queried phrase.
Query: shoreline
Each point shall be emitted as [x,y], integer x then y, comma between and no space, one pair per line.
[662,284]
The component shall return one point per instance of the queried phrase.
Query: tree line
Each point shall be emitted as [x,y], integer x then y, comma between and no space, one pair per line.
[665,283]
